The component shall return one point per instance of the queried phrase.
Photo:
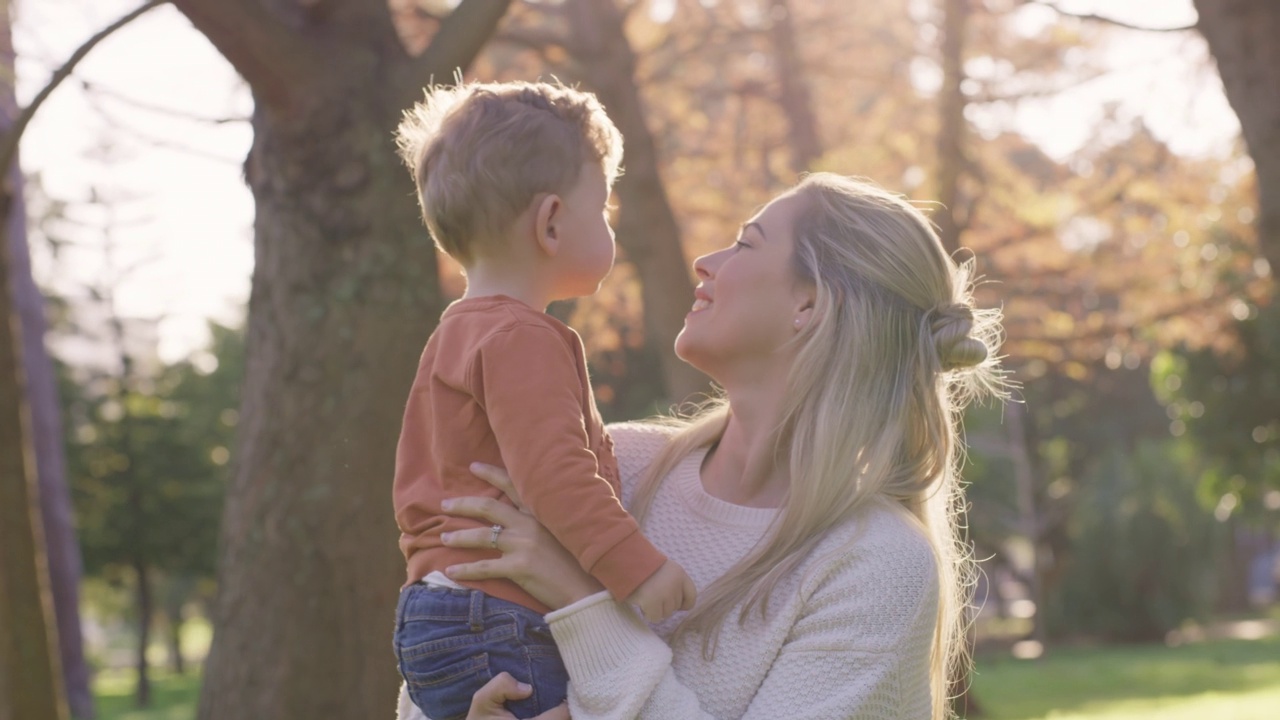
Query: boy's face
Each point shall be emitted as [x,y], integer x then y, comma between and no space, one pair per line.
[587,249]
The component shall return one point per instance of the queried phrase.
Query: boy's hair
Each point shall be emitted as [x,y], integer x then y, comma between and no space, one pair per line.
[480,153]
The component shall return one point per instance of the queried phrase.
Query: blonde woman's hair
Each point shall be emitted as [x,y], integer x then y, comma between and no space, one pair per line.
[894,353]
[481,152]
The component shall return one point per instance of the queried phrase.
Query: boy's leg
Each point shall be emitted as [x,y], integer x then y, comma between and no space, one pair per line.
[451,642]
[531,657]
[442,654]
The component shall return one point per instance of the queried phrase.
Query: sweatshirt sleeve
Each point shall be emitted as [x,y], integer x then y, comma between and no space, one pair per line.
[527,380]
[636,444]
[859,651]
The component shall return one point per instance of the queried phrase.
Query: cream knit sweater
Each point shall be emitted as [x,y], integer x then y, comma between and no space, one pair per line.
[848,636]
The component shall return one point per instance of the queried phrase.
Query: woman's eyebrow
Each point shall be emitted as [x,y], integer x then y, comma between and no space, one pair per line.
[743,229]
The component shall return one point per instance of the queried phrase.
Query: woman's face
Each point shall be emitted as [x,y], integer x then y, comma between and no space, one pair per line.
[748,300]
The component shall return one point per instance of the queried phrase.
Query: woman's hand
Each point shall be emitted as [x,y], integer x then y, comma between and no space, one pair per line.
[531,556]
[489,701]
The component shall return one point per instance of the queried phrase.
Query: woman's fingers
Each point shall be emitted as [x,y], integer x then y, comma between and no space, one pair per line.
[473,538]
[478,570]
[483,508]
[489,701]
[499,478]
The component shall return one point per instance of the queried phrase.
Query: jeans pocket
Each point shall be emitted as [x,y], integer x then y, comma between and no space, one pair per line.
[444,692]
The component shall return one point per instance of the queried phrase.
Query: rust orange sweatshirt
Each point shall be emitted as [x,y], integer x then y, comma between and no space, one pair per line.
[504,384]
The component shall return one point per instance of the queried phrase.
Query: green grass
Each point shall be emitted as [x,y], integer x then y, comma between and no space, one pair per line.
[1215,680]
[173,697]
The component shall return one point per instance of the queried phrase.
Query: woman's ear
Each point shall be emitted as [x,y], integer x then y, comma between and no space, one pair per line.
[805,297]
[545,219]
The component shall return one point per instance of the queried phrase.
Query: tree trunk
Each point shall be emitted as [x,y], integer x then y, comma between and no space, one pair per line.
[950,146]
[30,676]
[62,551]
[345,292]
[1021,451]
[62,548]
[793,89]
[142,694]
[344,295]
[176,591]
[952,126]
[177,661]
[1242,38]
[1233,569]
[31,683]
[647,228]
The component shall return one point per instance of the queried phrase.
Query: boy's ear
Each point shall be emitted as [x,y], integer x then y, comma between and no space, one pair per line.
[545,219]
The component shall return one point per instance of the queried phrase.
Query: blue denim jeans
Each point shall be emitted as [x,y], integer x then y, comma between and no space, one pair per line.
[451,642]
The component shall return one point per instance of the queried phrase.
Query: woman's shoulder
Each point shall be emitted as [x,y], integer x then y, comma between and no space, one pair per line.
[640,440]
[636,444]
[638,430]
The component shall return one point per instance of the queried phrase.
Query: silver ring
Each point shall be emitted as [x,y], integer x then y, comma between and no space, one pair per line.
[493,536]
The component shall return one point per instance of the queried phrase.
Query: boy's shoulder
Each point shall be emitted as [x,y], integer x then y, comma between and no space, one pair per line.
[500,328]
[483,318]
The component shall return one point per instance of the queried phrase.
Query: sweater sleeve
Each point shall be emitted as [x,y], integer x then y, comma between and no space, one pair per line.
[527,380]
[859,651]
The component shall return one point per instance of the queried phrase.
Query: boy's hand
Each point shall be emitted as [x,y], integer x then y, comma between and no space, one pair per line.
[666,591]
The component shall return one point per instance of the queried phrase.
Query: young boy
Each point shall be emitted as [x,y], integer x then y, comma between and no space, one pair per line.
[514,181]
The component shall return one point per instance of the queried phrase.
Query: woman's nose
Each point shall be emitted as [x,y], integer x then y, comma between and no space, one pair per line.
[704,266]
[700,268]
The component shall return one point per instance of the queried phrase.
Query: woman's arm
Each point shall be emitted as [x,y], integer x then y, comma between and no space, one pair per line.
[859,650]
[531,557]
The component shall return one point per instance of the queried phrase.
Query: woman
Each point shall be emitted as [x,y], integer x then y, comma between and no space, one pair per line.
[816,506]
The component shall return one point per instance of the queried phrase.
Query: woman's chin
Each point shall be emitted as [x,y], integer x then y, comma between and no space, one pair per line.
[688,351]
[684,347]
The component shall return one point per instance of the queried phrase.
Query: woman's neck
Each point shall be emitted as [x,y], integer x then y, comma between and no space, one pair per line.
[741,468]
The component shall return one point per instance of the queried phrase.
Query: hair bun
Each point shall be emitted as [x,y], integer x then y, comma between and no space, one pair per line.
[950,325]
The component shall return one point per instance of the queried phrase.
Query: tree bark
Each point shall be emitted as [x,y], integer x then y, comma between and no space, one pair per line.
[1022,450]
[30,675]
[1233,569]
[62,551]
[344,294]
[952,126]
[1242,39]
[142,576]
[31,683]
[950,144]
[62,548]
[177,589]
[647,228]
[794,97]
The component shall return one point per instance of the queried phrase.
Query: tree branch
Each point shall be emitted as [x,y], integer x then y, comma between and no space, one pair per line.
[94,90]
[266,52]
[531,38]
[1092,17]
[9,144]
[455,45]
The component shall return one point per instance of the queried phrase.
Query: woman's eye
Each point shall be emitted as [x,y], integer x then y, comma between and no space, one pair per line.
[739,245]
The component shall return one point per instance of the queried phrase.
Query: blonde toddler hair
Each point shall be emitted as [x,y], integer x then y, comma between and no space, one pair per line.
[480,153]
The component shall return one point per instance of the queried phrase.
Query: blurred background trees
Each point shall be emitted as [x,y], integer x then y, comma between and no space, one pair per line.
[1135,489]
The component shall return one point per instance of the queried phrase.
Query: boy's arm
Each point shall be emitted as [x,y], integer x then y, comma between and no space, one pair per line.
[526,379]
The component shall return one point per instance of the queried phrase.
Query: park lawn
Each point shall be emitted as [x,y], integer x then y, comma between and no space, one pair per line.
[173,697]
[1216,680]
